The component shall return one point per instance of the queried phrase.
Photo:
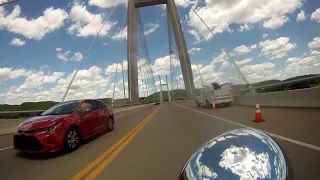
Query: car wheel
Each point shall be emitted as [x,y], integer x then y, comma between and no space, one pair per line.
[72,139]
[207,104]
[198,105]
[110,124]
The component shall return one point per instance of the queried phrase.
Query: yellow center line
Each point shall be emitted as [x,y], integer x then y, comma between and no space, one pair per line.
[109,151]
[114,154]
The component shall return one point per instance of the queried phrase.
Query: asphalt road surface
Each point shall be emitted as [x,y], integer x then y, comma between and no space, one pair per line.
[154,143]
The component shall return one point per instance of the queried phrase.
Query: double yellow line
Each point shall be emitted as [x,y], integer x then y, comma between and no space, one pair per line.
[112,152]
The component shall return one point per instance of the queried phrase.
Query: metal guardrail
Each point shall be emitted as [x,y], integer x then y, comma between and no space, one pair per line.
[15,112]
[281,83]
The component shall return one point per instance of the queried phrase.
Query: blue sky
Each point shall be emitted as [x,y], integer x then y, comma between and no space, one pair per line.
[42,42]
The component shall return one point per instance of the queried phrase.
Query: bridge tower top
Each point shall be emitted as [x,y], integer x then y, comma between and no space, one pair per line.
[143,3]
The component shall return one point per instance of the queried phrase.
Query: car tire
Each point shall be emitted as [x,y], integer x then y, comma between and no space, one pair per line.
[207,104]
[72,139]
[110,124]
[198,105]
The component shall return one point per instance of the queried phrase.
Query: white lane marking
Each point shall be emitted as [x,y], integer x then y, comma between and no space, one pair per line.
[271,134]
[2,149]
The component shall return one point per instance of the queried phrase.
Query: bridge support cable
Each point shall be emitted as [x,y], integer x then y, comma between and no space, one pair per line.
[140,57]
[177,69]
[140,69]
[223,48]
[173,59]
[123,84]
[114,86]
[147,66]
[115,78]
[170,39]
[87,51]
[191,60]
[200,76]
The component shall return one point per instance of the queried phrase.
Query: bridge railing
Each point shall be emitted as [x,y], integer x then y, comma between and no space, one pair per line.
[301,83]
[19,114]
[303,93]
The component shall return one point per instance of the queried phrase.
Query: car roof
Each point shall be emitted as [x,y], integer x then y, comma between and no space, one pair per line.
[71,101]
[84,100]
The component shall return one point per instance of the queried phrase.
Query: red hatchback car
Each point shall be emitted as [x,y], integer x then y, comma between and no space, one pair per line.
[63,126]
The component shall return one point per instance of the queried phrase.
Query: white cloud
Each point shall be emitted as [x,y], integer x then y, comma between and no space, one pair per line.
[315,52]
[315,43]
[105,3]
[245,27]
[89,83]
[63,55]
[196,34]
[77,56]
[243,49]
[316,15]
[252,165]
[37,79]
[257,68]
[276,49]
[113,68]
[209,75]
[3,1]
[125,65]
[301,16]
[301,66]
[275,22]
[121,34]
[86,80]
[161,65]
[51,20]
[194,50]
[271,12]
[245,61]
[265,35]
[17,42]
[150,28]
[84,23]
[11,73]
[181,3]
[19,94]
[220,58]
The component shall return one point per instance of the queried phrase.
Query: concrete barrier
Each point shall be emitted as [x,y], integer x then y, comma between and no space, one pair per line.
[306,98]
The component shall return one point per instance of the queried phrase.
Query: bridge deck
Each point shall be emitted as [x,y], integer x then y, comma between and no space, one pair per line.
[161,147]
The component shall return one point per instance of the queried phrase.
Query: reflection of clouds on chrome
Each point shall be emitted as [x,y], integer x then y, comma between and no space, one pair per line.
[204,172]
[263,138]
[279,161]
[189,172]
[246,163]
[220,138]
